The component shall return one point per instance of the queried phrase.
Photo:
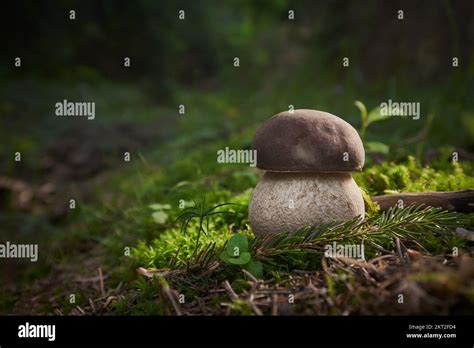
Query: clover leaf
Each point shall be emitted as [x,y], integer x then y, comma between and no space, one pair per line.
[157,206]
[243,259]
[237,253]
[237,244]
[254,267]
[159,215]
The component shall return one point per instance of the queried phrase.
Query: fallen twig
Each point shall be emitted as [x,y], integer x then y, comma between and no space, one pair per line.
[460,201]
[230,291]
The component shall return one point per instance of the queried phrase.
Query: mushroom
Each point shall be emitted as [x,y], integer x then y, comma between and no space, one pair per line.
[308,156]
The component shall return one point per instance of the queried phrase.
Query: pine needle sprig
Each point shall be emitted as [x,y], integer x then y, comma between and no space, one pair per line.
[413,223]
[418,225]
[201,211]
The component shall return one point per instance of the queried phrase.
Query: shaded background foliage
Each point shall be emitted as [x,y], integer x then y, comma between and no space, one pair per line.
[190,62]
[166,49]
[388,57]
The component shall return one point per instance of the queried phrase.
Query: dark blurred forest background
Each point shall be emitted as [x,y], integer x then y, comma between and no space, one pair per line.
[190,62]
[389,58]
[167,51]
[296,60]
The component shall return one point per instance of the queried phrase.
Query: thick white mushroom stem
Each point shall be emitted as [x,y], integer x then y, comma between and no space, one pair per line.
[285,202]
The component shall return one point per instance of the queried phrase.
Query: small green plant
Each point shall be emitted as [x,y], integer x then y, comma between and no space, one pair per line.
[375,115]
[202,212]
[159,215]
[237,253]
[367,118]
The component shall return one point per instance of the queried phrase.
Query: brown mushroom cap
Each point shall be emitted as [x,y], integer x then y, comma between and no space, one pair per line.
[308,141]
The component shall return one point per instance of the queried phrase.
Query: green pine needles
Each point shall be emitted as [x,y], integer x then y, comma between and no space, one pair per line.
[202,212]
[430,230]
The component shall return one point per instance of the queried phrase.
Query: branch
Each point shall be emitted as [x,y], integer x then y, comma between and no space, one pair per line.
[460,201]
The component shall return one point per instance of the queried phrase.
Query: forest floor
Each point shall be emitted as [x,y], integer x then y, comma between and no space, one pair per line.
[122,250]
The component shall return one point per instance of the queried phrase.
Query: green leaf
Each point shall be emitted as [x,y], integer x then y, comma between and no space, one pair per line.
[254,267]
[375,116]
[160,217]
[241,260]
[237,244]
[158,206]
[182,183]
[225,257]
[374,146]
[362,109]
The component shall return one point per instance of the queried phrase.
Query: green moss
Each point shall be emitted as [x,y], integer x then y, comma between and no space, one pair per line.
[240,307]
[174,245]
[409,176]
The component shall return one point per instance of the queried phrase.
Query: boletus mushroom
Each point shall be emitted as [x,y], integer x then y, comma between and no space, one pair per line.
[308,156]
